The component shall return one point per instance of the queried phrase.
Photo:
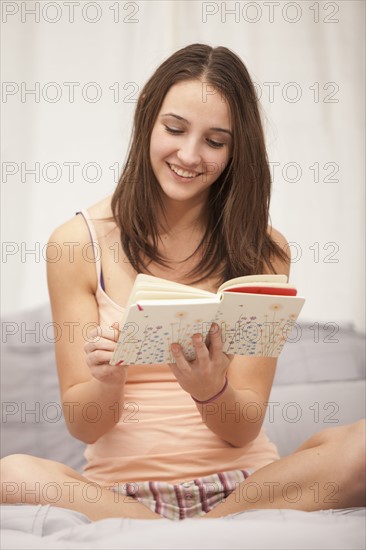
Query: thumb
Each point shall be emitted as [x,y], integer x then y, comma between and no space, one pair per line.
[116,330]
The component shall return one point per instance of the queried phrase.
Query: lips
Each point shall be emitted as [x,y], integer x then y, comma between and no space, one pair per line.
[188,174]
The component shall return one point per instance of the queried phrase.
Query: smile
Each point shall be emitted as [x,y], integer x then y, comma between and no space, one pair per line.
[182,173]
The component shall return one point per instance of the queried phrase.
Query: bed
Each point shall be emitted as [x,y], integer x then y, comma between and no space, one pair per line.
[320,382]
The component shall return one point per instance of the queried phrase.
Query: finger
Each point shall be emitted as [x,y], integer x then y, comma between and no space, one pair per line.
[101,344]
[111,333]
[180,361]
[215,341]
[98,358]
[102,332]
[200,347]
[116,331]
[94,334]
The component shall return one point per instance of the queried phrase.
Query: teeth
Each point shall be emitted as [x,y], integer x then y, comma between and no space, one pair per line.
[182,173]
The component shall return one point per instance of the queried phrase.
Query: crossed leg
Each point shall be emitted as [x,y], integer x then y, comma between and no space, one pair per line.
[30,480]
[327,471]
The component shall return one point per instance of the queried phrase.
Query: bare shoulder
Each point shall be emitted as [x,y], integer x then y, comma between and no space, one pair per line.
[70,255]
[73,230]
[70,244]
[277,237]
[102,209]
[74,233]
[281,265]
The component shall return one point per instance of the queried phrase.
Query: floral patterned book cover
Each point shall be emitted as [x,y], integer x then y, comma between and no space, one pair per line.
[251,324]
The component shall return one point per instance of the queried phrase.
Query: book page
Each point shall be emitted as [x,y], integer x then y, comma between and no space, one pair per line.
[154,287]
[253,279]
[143,295]
[151,327]
[257,324]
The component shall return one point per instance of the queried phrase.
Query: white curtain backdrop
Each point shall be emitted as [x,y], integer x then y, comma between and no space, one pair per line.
[71,73]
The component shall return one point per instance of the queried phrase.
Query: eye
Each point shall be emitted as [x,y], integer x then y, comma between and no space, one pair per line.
[215,144]
[172,130]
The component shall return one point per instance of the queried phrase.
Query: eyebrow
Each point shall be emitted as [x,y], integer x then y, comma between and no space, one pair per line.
[187,122]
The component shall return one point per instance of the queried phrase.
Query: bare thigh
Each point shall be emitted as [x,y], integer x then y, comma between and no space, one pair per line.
[30,480]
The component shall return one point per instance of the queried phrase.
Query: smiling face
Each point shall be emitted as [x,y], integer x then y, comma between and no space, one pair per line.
[191,141]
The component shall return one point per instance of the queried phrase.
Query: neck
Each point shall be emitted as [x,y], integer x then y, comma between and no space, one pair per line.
[180,217]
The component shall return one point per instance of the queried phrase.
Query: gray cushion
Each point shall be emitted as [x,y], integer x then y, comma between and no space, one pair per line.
[319,352]
[32,421]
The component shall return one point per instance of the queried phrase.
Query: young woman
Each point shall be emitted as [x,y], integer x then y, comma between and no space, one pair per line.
[191,206]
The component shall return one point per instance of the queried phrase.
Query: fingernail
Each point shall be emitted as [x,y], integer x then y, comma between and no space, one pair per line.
[175,348]
[214,328]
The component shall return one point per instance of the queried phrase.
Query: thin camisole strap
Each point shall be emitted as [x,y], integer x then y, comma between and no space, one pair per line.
[97,252]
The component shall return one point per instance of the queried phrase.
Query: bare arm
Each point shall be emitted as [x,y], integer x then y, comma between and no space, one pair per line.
[91,390]
[238,413]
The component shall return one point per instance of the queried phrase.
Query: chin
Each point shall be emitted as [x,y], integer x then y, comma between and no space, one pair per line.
[186,197]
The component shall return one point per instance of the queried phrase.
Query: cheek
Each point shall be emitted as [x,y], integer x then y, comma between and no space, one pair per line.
[219,161]
[159,144]
[153,145]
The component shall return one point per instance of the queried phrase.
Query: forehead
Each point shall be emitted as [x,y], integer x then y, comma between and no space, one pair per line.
[191,98]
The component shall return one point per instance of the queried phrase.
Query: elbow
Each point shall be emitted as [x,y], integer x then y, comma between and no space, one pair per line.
[81,435]
[88,440]
[243,437]
[238,443]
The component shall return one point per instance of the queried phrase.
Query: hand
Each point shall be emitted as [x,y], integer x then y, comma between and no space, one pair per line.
[99,350]
[205,376]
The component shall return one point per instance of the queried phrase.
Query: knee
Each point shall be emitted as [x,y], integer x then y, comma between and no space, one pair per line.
[353,439]
[21,467]
[354,434]
[344,447]
[14,470]
[350,452]
[356,442]
[357,430]
[349,445]
[355,460]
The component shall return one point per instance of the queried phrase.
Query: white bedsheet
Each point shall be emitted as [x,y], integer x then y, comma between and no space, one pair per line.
[47,527]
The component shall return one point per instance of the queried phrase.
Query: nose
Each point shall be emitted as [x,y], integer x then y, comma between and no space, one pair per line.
[189,153]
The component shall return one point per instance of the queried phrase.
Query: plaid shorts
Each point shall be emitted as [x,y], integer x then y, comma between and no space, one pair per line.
[184,500]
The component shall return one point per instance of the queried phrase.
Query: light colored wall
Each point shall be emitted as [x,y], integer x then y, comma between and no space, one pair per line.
[321,61]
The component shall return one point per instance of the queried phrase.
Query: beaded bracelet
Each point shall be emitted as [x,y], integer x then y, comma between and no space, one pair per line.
[214,397]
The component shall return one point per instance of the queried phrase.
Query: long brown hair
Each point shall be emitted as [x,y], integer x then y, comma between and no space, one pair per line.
[236,241]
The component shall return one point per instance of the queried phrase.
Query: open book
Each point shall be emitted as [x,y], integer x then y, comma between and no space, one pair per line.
[255,313]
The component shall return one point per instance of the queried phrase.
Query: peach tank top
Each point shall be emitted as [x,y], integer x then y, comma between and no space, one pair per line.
[160,435]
